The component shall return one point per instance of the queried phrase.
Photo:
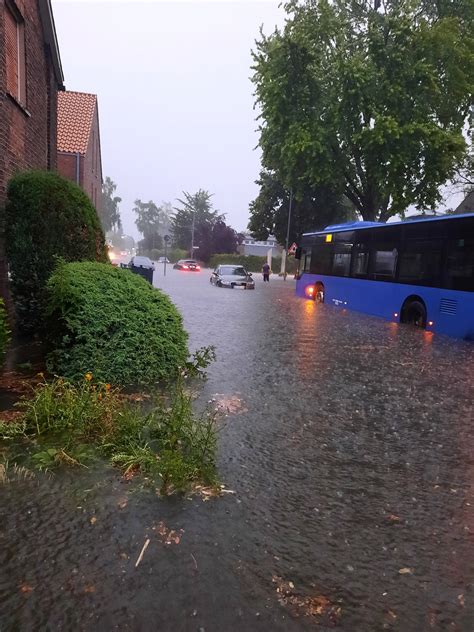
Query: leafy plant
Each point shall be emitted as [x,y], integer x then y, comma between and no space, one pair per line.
[47,217]
[112,323]
[252,263]
[4,331]
[70,422]
[368,98]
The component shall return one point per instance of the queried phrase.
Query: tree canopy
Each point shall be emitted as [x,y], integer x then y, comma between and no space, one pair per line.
[211,233]
[365,98]
[152,220]
[109,213]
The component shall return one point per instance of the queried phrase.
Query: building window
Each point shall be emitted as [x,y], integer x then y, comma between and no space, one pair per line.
[15,54]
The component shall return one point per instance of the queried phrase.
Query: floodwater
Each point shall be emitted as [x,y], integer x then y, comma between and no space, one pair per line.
[349,444]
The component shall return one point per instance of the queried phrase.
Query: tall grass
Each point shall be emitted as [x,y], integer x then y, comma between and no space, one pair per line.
[69,423]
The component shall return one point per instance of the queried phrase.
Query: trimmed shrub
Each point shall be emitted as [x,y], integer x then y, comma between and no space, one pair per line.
[4,331]
[47,217]
[173,254]
[253,263]
[113,324]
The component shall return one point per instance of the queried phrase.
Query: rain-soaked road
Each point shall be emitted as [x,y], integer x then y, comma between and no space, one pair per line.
[351,452]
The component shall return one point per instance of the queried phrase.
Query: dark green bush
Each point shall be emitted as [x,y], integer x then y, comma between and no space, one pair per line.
[253,263]
[173,254]
[4,331]
[112,323]
[47,217]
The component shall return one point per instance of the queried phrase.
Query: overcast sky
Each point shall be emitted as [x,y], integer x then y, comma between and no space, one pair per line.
[175,99]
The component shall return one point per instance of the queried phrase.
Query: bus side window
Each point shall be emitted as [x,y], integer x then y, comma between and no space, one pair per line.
[307,261]
[360,260]
[383,261]
[341,262]
[321,259]
[420,262]
[459,273]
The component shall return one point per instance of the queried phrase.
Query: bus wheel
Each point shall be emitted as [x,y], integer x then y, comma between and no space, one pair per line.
[414,313]
[319,293]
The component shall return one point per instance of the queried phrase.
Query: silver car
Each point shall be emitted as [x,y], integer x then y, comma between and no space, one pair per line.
[232,276]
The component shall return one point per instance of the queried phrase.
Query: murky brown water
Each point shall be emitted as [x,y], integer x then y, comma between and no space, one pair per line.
[350,446]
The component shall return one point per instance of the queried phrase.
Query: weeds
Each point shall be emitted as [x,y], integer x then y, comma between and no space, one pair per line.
[66,423]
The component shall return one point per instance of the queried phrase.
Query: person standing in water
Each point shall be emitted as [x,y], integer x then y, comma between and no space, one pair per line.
[266,272]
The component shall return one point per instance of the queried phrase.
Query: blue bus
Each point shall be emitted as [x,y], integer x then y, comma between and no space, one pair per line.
[418,271]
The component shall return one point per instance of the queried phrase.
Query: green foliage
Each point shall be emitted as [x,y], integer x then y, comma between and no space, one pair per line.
[196,223]
[47,217]
[253,263]
[112,323]
[70,423]
[173,254]
[109,213]
[317,207]
[367,98]
[4,331]
[152,221]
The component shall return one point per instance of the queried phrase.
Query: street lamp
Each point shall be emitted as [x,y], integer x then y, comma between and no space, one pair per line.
[287,242]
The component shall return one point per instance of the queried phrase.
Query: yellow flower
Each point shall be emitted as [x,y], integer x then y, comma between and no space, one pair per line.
[40,375]
[88,376]
[107,388]
[99,396]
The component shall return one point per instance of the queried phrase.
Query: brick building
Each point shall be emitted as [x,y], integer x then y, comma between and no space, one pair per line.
[79,156]
[30,77]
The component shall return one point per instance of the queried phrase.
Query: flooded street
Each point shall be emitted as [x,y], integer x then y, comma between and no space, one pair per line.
[349,444]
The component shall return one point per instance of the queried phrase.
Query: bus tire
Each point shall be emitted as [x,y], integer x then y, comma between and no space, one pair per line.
[319,293]
[414,313]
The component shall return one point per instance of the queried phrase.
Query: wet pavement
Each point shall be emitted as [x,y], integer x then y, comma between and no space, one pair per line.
[349,443]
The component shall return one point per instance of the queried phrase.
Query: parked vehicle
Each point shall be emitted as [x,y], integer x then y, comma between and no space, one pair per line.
[141,262]
[232,276]
[187,264]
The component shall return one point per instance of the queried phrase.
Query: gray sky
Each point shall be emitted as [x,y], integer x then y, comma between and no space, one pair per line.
[175,99]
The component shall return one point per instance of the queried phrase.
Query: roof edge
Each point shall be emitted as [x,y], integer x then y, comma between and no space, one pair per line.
[47,19]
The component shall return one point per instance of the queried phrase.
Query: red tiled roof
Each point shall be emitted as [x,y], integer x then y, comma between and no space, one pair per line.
[75,117]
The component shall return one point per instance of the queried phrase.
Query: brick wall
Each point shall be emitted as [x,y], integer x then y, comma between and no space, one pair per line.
[27,134]
[67,165]
[92,173]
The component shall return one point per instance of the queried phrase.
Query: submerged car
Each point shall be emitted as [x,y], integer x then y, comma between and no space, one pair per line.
[232,276]
[187,264]
[141,262]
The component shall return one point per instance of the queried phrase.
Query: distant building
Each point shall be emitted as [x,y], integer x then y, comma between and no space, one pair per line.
[467,205]
[79,157]
[30,77]
[251,246]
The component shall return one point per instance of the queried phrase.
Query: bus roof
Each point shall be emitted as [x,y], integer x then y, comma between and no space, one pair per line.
[360,225]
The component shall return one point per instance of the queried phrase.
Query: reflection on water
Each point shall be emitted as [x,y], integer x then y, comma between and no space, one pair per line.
[349,443]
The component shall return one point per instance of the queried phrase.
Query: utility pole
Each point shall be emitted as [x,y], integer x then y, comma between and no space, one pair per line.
[287,242]
[166,239]
[192,235]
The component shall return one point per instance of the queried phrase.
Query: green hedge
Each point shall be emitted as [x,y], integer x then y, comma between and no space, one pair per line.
[112,323]
[47,217]
[173,254]
[253,263]
[4,331]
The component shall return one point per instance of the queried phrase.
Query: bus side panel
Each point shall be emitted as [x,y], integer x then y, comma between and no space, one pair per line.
[452,313]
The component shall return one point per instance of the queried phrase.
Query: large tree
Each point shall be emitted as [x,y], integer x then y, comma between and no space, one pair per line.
[315,207]
[196,223]
[109,213]
[151,222]
[367,97]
